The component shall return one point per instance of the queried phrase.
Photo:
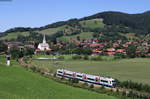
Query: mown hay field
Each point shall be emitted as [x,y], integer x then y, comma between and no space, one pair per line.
[137,70]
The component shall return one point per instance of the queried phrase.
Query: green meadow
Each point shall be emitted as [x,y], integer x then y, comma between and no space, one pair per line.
[137,70]
[18,83]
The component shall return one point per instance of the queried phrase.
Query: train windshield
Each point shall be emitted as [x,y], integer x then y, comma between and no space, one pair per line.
[113,81]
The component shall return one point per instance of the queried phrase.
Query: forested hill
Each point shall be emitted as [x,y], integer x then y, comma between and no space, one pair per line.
[105,26]
[135,21]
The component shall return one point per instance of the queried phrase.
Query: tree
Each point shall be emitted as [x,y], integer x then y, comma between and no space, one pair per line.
[82,50]
[78,38]
[131,51]
[3,47]
[15,53]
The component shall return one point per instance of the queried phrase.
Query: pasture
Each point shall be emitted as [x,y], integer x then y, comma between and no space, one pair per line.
[93,23]
[83,35]
[137,70]
[14,35]
[18,83]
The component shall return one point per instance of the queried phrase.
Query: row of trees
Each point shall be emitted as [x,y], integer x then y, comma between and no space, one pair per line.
[133,85]
[18,53]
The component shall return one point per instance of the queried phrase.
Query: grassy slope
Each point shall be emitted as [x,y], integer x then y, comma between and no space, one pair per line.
[17,83]
[126,69]
[83,35]
[93,24]
[88,24]
[14,35]
[51,31]
[129,36]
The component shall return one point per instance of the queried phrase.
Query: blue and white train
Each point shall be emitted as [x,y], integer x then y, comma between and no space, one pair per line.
[98,80]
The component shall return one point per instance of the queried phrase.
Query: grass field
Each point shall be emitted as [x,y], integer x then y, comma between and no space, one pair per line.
[14,35]
[93,23]
[83,35]
[51,31]
[136,70]
[130,36]
[18,83]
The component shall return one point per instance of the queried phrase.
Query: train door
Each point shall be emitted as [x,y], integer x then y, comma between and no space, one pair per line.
[97,79]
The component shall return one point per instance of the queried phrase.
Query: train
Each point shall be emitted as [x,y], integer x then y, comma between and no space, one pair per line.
[92,79]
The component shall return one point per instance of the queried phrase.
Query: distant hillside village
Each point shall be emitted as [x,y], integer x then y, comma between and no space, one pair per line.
[119,48]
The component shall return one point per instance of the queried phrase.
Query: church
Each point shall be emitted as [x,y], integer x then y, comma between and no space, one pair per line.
[43,47]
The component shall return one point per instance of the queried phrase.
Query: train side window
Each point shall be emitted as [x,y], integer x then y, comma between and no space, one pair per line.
[60,72]
[104,81]
[90,79]
[79,76]
[69,74]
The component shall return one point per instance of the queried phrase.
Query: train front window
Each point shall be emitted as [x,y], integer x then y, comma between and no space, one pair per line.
[113,81]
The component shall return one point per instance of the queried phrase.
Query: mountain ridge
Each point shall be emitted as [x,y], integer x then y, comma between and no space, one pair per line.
[109,23]
[98,15]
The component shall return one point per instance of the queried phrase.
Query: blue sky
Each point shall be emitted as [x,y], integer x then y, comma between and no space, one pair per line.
[36,13]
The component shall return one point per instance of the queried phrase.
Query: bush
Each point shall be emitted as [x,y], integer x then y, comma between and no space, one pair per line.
[98,58]
[108,58]
[74,80]
[91,86]
[84,85]
[86,57]
[33,68]
[55,74]
[61,57]
[77,57]
[136,86]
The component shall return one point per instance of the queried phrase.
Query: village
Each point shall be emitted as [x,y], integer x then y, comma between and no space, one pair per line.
[141,48]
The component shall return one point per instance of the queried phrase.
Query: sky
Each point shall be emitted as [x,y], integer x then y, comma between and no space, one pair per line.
[37,13]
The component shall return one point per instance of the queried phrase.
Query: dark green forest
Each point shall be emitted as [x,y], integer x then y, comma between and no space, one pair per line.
[138,23]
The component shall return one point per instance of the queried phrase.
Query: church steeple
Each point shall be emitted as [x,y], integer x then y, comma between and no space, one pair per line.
[44,39]
[43,46]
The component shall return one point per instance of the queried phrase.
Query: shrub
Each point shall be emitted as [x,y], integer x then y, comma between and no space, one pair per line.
[74,80]
[55,74]
[84,85]
[108,58]
[61,57]
[91,86]
[98,58]
[33,68]
[86,57]
[136,86]
[77,57]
